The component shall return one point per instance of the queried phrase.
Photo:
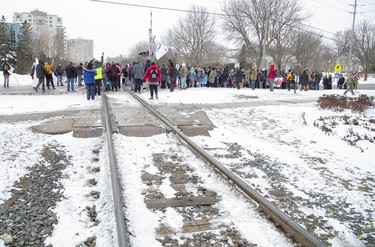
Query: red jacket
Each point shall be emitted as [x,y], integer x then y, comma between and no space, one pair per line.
[271,75]
[147,76]
[110,68]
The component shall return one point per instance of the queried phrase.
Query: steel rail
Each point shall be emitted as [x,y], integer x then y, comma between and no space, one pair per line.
[122,233]
[291,228]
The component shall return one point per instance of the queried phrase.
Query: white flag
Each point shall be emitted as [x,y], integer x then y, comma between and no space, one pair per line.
[160,51]
[35,80]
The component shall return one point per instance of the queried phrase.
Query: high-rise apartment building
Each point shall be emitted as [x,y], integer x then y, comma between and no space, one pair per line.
[40,21]
[80,50]
[51,32]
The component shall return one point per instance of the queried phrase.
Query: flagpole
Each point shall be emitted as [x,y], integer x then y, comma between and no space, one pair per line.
[16,79]
[150,37]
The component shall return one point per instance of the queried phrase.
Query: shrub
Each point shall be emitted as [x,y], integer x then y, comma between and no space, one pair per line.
[337,102]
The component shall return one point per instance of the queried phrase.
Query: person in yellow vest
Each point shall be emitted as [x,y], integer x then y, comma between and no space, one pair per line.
[49,77]
[99,75]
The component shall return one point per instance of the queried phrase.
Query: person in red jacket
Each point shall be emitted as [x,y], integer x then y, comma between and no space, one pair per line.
[113,72]
[271,76]
[152,77]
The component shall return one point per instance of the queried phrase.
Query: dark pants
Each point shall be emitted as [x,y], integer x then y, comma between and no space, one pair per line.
[138,83]
[163,84]
[98,86]
[153,88]
[292,85]
[49,80]
[90,91]
[41,81]
[171,83]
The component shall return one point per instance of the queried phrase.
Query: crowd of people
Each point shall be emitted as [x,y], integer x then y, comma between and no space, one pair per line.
[97,76]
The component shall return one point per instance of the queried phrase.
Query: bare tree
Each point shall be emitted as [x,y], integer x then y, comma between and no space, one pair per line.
[364,45]
[192,39]
[138,47]
[246,22]
[58,47]
[305,50]
[327,58]
[280,49]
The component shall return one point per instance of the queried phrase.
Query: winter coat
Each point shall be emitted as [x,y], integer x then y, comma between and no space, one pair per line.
[172,72]
[89,76]
[192,74]
[254,75]
[239,75]
[147,76]
[5,70]
[183,72]
[351,80]
[60,70]
[70,71]
[49,67]
[109,72]
[138,71]
[304,78]
[271,75]
[164,71]
[212,76]
[104,72]
[79,69]
[41,70]
[225,74]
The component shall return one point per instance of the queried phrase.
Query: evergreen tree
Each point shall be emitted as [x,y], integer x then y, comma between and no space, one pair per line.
[7,52]
[24,48]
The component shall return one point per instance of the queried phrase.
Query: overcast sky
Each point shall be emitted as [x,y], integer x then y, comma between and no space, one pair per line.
[116,28]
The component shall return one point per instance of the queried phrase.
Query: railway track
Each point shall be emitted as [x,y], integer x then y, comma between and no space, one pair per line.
[190,196]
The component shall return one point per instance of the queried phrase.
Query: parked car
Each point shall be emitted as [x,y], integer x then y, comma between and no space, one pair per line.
[278,82]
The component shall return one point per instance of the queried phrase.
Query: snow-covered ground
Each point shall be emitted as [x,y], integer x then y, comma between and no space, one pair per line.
[278,125]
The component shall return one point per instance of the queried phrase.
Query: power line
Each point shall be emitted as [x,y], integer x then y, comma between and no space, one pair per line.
[211,13]
[328,5]
[340,1]
[156,7]
[365,2]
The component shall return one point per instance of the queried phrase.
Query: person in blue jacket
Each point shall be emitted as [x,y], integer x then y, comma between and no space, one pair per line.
[89,74]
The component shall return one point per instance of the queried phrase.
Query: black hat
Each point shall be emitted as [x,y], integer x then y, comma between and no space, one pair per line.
[89,65]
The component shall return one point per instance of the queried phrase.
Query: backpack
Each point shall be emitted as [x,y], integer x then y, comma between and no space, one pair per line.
[153,74]
[113,73]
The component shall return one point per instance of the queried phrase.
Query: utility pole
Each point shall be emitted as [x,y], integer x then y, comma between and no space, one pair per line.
[349,63]
[263,61]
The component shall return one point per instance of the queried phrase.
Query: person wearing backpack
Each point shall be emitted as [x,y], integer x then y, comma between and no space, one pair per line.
[112,73]
[152,76]
[6,69]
